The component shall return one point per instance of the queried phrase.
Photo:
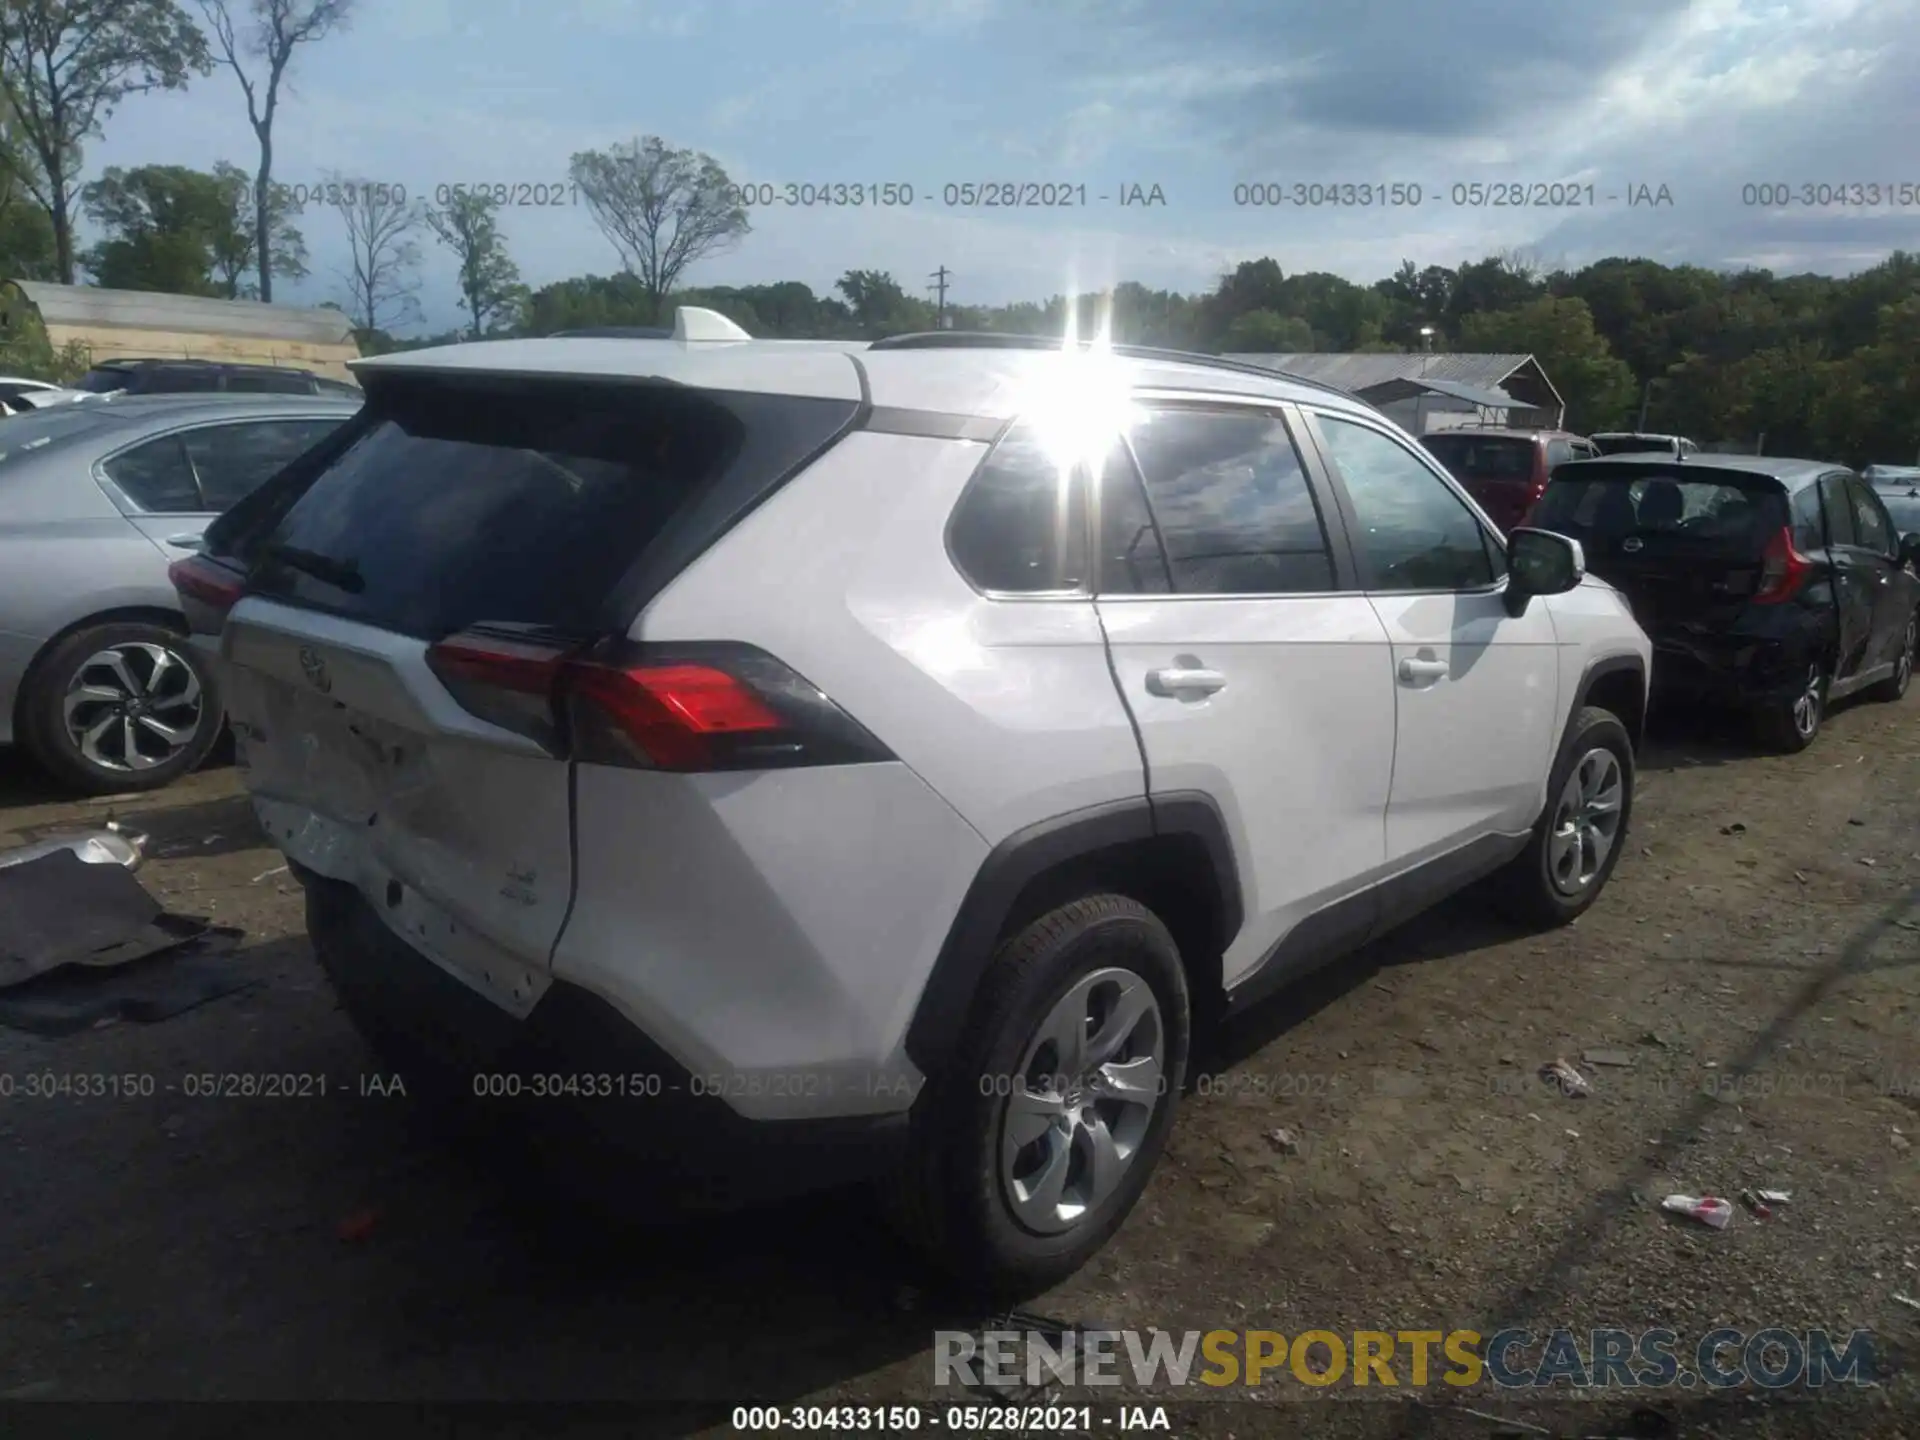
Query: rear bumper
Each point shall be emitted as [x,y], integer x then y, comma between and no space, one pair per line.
[578,1072]
[1730,669]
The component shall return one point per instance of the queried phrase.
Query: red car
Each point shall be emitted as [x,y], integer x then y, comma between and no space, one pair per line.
[1506,470]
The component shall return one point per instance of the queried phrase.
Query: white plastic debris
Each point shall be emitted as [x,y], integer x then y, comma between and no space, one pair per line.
[1707,1209]
[112,845]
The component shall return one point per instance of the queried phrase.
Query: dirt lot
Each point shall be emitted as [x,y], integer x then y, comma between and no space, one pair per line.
[1758,957]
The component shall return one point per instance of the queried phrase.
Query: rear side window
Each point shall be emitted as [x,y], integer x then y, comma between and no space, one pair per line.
[1839,512]
[1809,530]
[522,502]
[1232,503]
[1021,526]
[158,477]
[232,461]
[1132,561]
[1559,452]
[104,382]
[1869,520]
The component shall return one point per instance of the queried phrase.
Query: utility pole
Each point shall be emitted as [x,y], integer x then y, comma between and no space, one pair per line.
[939,288]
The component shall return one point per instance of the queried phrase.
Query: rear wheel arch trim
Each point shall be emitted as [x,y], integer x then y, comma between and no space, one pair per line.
[1031,854]
[1600,670]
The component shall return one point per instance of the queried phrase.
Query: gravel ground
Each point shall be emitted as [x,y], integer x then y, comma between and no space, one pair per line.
[1756,961]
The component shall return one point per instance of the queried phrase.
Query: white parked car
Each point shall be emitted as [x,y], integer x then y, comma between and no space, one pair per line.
[820,761]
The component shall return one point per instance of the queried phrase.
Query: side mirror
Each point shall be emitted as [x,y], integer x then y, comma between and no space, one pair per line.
[1540,562]
[1910,550]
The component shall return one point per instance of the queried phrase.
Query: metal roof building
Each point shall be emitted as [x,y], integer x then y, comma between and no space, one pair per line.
[1435,391]
[138,324]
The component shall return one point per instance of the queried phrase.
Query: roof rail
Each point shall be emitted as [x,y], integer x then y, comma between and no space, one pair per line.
[995,340]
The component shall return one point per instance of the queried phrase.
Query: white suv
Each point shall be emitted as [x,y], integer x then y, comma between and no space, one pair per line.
[826,761]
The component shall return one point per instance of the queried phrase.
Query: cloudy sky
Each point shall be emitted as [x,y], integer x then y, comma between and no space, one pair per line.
[1701,97]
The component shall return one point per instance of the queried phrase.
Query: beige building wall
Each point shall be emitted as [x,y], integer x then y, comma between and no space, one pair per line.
[116,343]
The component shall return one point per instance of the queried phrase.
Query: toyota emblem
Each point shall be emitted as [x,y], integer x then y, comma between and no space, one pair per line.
[1631,545]
[315,669]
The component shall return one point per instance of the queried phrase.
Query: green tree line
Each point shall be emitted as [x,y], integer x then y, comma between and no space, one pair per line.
[1816,365]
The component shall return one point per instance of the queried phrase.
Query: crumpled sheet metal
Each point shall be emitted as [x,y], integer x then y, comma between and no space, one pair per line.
[113,844]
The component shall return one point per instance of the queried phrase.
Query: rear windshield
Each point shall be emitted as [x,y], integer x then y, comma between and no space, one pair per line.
[1483,457]
[524,503]
[1662,508]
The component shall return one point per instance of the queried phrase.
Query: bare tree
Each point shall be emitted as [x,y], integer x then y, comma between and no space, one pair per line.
[64,67]
[383,284]
[662,208]
[490,288]
[276,28]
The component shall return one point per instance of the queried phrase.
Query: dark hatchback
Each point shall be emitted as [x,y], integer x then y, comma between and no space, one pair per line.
[1773,585]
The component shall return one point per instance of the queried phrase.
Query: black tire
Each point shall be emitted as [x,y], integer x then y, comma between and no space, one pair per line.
[1527,889]
[1784,726]
[1894,687]
[44,728]
[950,1198]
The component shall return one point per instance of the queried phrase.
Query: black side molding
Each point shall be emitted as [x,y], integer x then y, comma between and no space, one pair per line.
[1026,856]
[1348,923]
[1615,665]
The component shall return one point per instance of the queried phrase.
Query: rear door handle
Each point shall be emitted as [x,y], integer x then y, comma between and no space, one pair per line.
[1414,671]
[184,542]
[1184,682]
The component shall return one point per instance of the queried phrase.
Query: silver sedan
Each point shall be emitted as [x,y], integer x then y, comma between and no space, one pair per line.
[97,679]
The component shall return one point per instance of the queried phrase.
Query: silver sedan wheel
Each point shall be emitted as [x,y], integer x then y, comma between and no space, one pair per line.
[132,707]
[1806,708]
[1586,821]
[1083,1100]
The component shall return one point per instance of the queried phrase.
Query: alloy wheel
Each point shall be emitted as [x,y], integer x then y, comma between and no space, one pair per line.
[1806,706]
[1082,1101]
[132,707]
[1586,821]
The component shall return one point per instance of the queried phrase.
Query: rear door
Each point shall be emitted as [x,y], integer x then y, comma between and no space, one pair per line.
[389,669]
[1255,670]
[1879,550]
[1855,583]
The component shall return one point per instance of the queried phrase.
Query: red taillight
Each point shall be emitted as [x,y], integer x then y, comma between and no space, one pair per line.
[208,590]
[683,708]
[206,581]
[1783,570]
[672,717]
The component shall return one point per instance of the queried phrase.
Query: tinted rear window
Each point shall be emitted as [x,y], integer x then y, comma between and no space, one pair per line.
[1660,507]
[102,382]
[523,503]
[1483,457]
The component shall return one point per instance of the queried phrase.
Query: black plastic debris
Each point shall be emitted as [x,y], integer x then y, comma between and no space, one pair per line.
[83,943]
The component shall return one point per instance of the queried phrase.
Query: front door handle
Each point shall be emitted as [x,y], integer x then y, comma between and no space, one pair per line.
[185,542]
[1173,683]
[1414,671]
